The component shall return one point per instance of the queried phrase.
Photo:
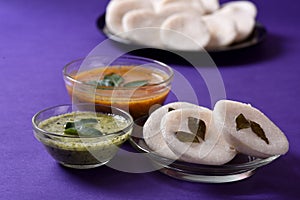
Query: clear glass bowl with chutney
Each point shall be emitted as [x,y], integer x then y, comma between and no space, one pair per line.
[78,136]
[131,83]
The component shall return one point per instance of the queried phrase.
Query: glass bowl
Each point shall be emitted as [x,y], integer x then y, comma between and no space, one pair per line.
[82,150]
[85,82]
[241,167]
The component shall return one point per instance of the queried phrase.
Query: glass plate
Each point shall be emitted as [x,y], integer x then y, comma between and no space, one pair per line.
[241,167]
[258,35]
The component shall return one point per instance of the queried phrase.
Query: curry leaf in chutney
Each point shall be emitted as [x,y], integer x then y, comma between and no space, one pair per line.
[88,121]
[83,131]
[81,127]
[88,131]
[69,125]
[80,122]
[71,131]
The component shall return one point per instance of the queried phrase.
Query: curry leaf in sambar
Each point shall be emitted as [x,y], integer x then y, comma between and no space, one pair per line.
[136,83]
[115,79]
[109,80]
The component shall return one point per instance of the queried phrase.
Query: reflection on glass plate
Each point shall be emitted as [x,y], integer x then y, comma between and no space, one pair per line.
[258,35]
[241,167]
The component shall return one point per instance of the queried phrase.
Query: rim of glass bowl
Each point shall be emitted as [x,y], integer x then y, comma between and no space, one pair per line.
[71,78]
[120,132]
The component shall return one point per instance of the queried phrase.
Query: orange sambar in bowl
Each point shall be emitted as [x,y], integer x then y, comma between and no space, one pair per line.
[135,99]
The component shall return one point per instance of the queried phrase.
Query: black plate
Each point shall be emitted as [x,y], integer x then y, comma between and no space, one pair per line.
[258,35]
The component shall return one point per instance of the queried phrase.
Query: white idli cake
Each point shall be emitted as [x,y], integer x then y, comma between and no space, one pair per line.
[142,25]
[210,6]
[192,136]
[152,128]
[249,130]
[244,22]
[246,7]
[116,10]
[223,30]
[184,31]
[195,5]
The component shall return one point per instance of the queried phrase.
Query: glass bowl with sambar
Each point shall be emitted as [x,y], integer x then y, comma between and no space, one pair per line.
[131,83]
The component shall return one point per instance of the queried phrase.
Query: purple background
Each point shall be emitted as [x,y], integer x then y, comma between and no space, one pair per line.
[37,38]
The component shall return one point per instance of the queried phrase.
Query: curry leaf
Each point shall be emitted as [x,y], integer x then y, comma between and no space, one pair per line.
[256,128]
[88,121]
[83,131]
[115,79]
[81,127]
[186,137]
[69,125]
[80,123]
[71,131]
[241,122]
[88,131]
[197,126]
[105,82]
[170,109]
[136,83]
[109,80]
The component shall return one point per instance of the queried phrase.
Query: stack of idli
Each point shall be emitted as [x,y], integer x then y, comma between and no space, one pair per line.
[196,134]
[181,24]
